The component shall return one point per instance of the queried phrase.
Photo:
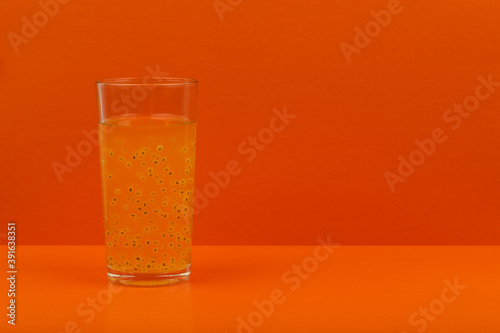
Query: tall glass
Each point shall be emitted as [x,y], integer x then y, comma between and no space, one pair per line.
[147,141]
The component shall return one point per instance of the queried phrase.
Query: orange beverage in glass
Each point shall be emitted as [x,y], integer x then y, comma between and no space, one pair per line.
[147,167]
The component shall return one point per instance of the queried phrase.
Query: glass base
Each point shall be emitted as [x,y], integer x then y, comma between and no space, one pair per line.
[149,279]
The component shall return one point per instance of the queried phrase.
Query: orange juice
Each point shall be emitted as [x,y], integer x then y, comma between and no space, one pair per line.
[148,190]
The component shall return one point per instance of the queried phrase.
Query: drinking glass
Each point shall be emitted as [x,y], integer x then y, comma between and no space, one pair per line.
[147,141]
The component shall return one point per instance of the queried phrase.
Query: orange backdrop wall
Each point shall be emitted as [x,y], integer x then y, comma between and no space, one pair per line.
[369,87]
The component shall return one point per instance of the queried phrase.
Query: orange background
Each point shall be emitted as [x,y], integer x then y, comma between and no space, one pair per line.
[324,174]
[376,289]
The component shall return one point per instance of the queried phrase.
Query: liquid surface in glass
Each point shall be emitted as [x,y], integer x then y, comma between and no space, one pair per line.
[148,190]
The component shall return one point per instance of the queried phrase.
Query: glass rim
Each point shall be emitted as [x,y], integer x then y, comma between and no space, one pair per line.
[145,81]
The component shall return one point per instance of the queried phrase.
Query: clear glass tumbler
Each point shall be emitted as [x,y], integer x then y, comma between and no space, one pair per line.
[147,141]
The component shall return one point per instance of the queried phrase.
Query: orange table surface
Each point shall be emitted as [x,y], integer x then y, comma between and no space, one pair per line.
[265,289]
